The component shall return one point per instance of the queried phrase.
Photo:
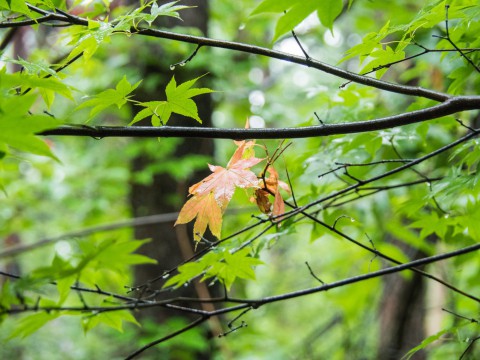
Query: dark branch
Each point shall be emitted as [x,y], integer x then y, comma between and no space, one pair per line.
[8,38]
[145,220]
[165,338]
[449,107]
[315,64]
[257,50]
[381,176]
[17,24]
[372,275]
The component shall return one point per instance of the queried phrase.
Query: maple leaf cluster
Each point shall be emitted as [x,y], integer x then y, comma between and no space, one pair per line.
[211,196]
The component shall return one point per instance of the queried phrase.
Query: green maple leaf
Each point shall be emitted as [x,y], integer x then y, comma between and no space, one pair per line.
[118,96]
[18,129]
[295,11]
[169,9]
[179,101]
[236,265]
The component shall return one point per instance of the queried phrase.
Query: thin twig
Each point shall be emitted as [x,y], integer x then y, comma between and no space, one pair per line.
[165,338]
[470,346]
[184,62]
[313,274]
[382,176]
[307,57]
[386,161]
[231,322]
[291,186]
[449,39]
[472,320]
[8,37]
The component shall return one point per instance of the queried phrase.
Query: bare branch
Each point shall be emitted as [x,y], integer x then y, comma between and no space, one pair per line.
[381,176]
[165,338]
[313,274]
[17,24]
[8,38]
[252,49]
[449,107]
[372,275]
[145,220]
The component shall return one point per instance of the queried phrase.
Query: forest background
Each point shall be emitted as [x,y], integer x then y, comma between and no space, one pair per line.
[354,169]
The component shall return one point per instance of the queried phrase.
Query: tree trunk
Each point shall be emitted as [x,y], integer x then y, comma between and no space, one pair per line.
[171,245]
[402,313]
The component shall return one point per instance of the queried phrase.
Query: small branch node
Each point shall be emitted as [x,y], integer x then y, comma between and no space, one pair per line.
[242,325]
[184,62]
[374,250]
[313,274]
[472,320]
[360,182]
[341,217]
[235,328]
[318,118]
[37,302]
[465,125]
[307,57]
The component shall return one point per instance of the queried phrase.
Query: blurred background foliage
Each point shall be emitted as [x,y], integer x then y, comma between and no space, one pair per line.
[90,186]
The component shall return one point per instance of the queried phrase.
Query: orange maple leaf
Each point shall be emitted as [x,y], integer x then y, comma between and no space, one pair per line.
[271,185]
[211,196]
[207,211]
[223,181]
[244,151]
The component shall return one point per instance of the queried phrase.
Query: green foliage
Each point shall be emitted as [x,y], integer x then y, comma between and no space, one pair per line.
[31,323]
[294,12]
[17,127]
[434,208]
[222,265]
[429,340]
[87,42]
[187,347]
[118,96]
[102,264]
[168,9]
[179,100]
[16,6]
[19,132]
[113,319]
[376,51]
